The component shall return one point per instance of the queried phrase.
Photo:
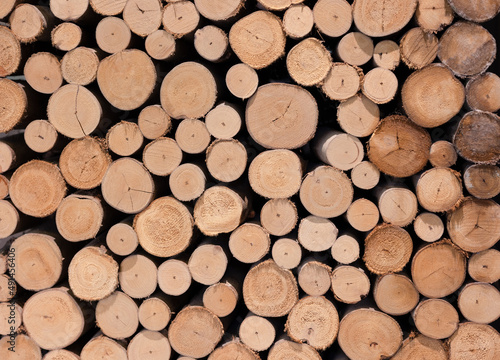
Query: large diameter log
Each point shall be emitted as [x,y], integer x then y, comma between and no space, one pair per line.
[207,264]
[249,243]
[69,10]
[438,269]
[101,347]
[25,348]
[269,290]
[43,72]
[219,11]
[117,315]
[151,344]
[308,62]
[143,16]
[66,36]
[439,189]
[434,15]
[112,35]
[428,227]
[375,19]
[316,234]
[484,266]
[418,48]
[257,332]
[478,12]
[226,160]
[233,350]
[395,294]
[350,284]
[127,78]
[195,332]
[436,318]
[30,23]
[483,92]
[432,96]
[479,302]
[37,188]
[473,340]
[10,50]
[332,17]
[314,277]
[13,103]
[281,116]
[399,147]
[367,334]
[165,227]
[174,277]
[421,347]
[284,349]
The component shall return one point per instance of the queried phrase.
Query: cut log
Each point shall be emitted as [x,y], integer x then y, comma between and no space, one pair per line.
[345,250]
[242,80]
[180,18]
[127,186]
[474,224]
[14,101]
[152,344]
[395,294]
[479,302]
[6,7]
[316,234]
[231,350]
[428,227]
[465,342]
[439,189]
[25,348]
[421,347]
[192,136]
[287,253]
[386,54]
[93,273]
[8,288]
[161,156]
[365,175]
[160,45]
[187,182]
[9,219]
[350,284]
[398,147]
[207,264]
[10,318]
[138,276]
[442,154]
[367,334]
[154,122]
[10,52]
[66,36]
[226,160]
[61,354]
[211,43]
[380,85]
[434,15]
[298,21]
[477,12]
[174,277]
[313,320]
[117,316]
[223,121]
[340,150]
[418,48]
[143,16]
[69,10]
[37,188]
[308,62]
[79,66]
[221,298]
[220,11]
[124,138]
[30,23]
[4,188]
[342,82]
[249,243]
[332,17]
[40,136]
[195,332]
[122,239]
[261,294]
[482,92]
[438,269]
[284,349]
[43,72]
[435,318]
[108,7]
[314,278]
[165,227]
[112,35]
[484,266]
[102,347]
[154,313]
[279,216]
[398,206]
[432,96]
[355,48]
[392,241]
[256,332]
[363,215]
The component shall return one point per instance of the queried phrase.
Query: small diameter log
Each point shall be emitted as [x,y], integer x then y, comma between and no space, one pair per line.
[314,278]
[79,66]
[127,79]
[122,239]
[380,85]
[6,7]
[31,23]
[399,147]
[316,234]
[438,269]
[314,320]
[79,217]
[284,349]
[386,54]
[308,62]
[160,45]
[355,48]
[421,347]
[432,96]
[38,261]
[74,111]
[208,263]
[256,332]
[281,116]
[9,219]
[467,49]
[439,189]
[195,332]
[479,302]
[477,137]
[154,313]
[143,16]
[221,298]
[180,18]
[26,348]
[14,101]
[279,216]
[363,215]
[93,273]
[8,289]
[435,318]
[3,263]
[187,182]
[161,156]
[117,316]
[342,82]
[398,206]
[226,160]
[4,187]
[340,150]
[477,12]
[269,290]
[61,354]
[258,39]
[152,344]
[287,253]
[138,276]
[53,319]
[482,92]
[66,36]
[298,21]
[43,72]
[326,192]
[220,11]
[10,52]
[112,35]
[242,80]
[434,15]
[332,17]
[108,7]
[37,188]
[219,210]
[233,350]
[69,10]
[474,224]
[124,138]
[365,175]
[154,122]
[102,347]
[211,43]
[345,250]
[174,277]
[40,136]
[192,136]
[418,48]
[249,243]
[428,227]
[442,154]
[127,186]
[84,162]
[464,342]
[165,227]
[387,249]
[395,294]
[223,121]
[12,312]
[367,334]
[350,284]
[484,266]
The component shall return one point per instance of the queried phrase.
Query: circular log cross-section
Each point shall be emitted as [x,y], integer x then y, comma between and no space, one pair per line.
[355,48]
[223,121]
[242,80]
[308,62]
[221,298]
[365,175]
[418,48]
[395,294]
[15,312]
[345,250]
[79,66]
[40,136]
[342,82]
[9,218]
[26,348]
[207,264]
[66,36]
[180,18]
[108,7]
[154,314]
[484,266]
[10,52]
[442,154]
[211,43]
[314,278]
[435,318]
[380,85]
[257,333]
[174,277]
[473,340]
[79,217]
[154,122]
[434,15]
[122,239]
[143,16]
[192,136]
[151,344]
[439,189]
[117,315]
[102,347]
[421,347]
[43,72]
[162,156]
[279,216]
[233,350]
[483,92]
[298,21]
[14,101]
[287,253]
[332,17]
[187,182]
[398,206]
[112,35]
[386,54]
[226,160]
[61,354]
[219,11]
[477,12]
[428,227]
[363,215]
[138,276]
[350,284]
[30,23]
[479,302]
[69,10]
[249,243]
[316,234]
[160,45]
[124,138]
[340,150]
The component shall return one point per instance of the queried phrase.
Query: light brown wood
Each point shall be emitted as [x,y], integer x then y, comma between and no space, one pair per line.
[284,349]
[93,273]
[308,62]
[180,18]
[61,354]
[438,269]
[263,297]
[242,80]
[479,302]
[192,136]
[8,158]
[350,284]
[480,12]
[313,320]
[164,228]
[219,11]
[363,215]
[138,276]
[108,7]
[221,298]
[435,318]
[355,48]
[442,154]
[258,39]
[249,243]
[14,101]
[43,72]
[421,346]
[482,92]
[340,150]
[418,48]
[365,175]
[257,332]
[152,344]
[361,329]
[432,96]
[223,121]
[154,313]
[279,216]
[211,43]
[9,219]
[380,85]
[207,264]
[386,54]
[464,343]
[24,346]
[314,278]
[117,316]
[395,294]
[287,253]
[10,52]
[226,160]
[79,66]
[187,182]
[345,249]
[154,122]
[40,136]
[30,23]
[160,45]
[127,186]
[112,34]
[8,289]
[122,239]
[174,277]
[103,346]
[124,138]
[69,10]
[342,82]
[195,332]
[143,16]
[428,227]
[332,17]
[439,189]
[484,266]
[398,206]
[6,7]
[434,15]
[4,187]
[232,349]
[37,188]
[298,21]
[316,234]
[162,156]
[66,36]
[12,312]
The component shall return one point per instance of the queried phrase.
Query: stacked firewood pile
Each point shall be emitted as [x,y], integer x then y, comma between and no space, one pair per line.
[231,179]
